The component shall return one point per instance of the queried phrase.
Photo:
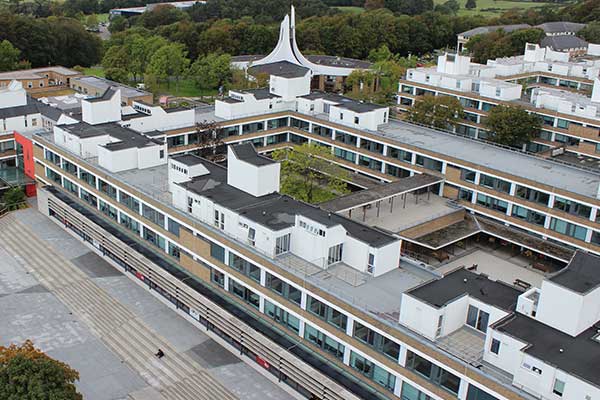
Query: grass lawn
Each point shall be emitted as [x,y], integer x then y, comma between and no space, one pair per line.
[500,6]
[187,88]
[351,10]
[95,71]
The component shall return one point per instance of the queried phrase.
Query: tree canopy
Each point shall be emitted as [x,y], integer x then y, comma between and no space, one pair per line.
[591,32]
[512,126]
[442,112]
[9,56]
[501,44]
[26,373]
[309,174]
[212,71]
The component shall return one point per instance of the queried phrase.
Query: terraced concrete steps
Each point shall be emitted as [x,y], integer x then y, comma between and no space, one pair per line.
[175,377]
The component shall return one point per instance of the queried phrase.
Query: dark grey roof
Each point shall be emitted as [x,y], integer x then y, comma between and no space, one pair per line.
[560,26]
[107,95]
[261,94]
[246,58]
[246,152]
[461,282]
[231,100]
[580,355]
[274,210]
[127,138]
[492,28]
[581,275]
[11,112]
[33,106]
[284,69]
[563,42]
[380,192]
[340,62]
[344,102]
[188,159]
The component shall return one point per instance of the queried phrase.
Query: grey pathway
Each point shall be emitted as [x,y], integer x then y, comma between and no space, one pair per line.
[45,276]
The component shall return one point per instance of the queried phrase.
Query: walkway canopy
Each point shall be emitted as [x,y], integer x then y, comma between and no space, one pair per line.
[379,193]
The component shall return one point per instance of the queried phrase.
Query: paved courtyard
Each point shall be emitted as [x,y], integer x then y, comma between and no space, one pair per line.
[29,310]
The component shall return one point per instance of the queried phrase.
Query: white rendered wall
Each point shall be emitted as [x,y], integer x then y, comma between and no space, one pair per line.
[419,316]
[99,112]
[13,95]
[290,88]
[116,161]
[255,180]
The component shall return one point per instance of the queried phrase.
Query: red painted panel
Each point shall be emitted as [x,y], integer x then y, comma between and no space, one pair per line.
[28,164]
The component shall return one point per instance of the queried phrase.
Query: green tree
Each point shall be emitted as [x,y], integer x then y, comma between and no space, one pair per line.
[118,24]
[309,174]
[117,75]
[382,53]
[501,44]
[9,56]
[13,198]
[91,21]
[212,71]
[170,61]
[591,32]
[512,126]
[28,374]
[140,50]
[470,4]
[441,112]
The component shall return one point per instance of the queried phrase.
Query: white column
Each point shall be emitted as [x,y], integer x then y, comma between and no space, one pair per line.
[593,214]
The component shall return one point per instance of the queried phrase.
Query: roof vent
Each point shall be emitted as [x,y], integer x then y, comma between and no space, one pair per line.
[465,280]
[264,213]
[561,350]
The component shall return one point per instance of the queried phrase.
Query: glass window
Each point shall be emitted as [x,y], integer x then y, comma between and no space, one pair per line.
[217,277]
[370,163]
[323,341]
[494,183]
[244,293]
[410,392]
[326,313]
[174,227]
[567,228]
[282,317]
[495,347]
[559,387]
[130,223]
[154,238]
[379,342]
[107,189]
[283,288]
[396,171]
[371,146]
[217,252]
[344,154]
[429,163]
[477,318]
[474,393]
[245,267]
[572,207]
[88,197]
[492,203]
[399,154]
[282,244]
[467,175]
[335,254]
[432,372]
[152,215]
[372,371]
[532,195]
[87,178]
[531,216]
[129,202]
[108,210]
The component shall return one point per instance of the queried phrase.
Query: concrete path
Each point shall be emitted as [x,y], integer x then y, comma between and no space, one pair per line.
[117,314]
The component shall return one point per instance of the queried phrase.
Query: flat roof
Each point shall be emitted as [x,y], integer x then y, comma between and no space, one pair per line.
[246,152]
[442,291]
[581,274]
[380,192]
[344,102]
[284,69]
[336,61]
[580,355]
[512,162]
[37,73]
[103,84]
[128,138]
